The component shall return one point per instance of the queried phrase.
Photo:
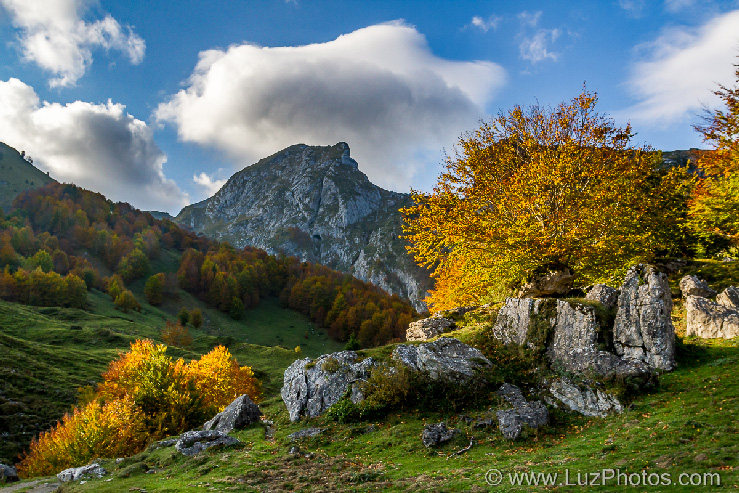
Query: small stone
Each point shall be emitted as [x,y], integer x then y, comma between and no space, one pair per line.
[700,457]
[427,328]
[511,421]
[8,474]
[306,433]
[77,473]
[436,434]
[240,413]
[194,442]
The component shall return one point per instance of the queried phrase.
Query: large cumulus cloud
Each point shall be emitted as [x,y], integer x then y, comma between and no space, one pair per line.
[680,69]
[55,37]
[96,146]
[380,89]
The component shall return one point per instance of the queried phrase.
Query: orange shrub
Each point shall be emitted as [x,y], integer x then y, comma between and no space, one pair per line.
[220,379]
[176,335]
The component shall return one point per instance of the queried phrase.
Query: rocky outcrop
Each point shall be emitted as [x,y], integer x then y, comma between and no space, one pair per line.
[446,359]
[427,328]
[518,319]
[313,203]
[194,442]
[605,295]
[524,413]
[555,282]
[93,470]
[710,320]
[694,286]
[311,387]
[240,413]
[729,297]
[643,328]
[583,399]
[434,435]
[8,474]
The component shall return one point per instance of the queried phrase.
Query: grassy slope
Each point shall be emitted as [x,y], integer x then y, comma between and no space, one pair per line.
[16,175]
[687,425]
[46,354]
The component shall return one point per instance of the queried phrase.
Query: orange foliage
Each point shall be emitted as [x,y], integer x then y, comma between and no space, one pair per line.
[220,379]
[176,335]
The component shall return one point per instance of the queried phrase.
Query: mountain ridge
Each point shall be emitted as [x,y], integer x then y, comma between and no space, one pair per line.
[313,202]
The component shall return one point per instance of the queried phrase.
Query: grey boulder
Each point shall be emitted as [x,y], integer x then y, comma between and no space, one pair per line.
[710,320]
[511,422]
[427,328]
[552,283]
[605,295]
[445,359]
[583,399]
[93,470]
[436,434]
[694,286]
[643,328]
[729,297]
[240,413]
[311,387]
[194,442]
[8,474]
[305,433]
[518,317]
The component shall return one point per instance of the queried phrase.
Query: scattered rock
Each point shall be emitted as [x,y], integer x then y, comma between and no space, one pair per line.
[194,442]
[584,400]
[511,421]
[163,444]
[8,474]
[306,433]
[643,329]
[700,457]
[427,328]
[552,283]
[240,413]
[483,423]
[605,295]
[77,473]
[694,286]
[436,434]
[311,387]
[446,359]
[710,320]
[729,297]
[295,450]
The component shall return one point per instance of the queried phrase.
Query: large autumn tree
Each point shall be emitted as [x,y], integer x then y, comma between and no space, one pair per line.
[539,189]
[714,210]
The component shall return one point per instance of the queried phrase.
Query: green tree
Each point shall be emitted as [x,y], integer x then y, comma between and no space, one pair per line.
[534,190]
[196,318]
[183,316]
[154,289]
[127,301]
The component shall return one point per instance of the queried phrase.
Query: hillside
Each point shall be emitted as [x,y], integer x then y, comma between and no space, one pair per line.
[686,426]
[315,203]
[17,175]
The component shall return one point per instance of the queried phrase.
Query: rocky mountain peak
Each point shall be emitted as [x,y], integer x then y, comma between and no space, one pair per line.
[313,202]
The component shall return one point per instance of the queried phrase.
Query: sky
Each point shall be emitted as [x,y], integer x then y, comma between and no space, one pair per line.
[157,103]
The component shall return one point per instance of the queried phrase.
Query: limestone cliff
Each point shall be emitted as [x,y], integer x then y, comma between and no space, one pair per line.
[314,203]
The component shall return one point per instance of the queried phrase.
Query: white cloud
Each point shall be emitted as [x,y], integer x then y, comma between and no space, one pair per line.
[207,182]
[682,68]
[485,25]
[635,8]
[96,146]
[379,88]
[53,35]
[534,42]
[678,5]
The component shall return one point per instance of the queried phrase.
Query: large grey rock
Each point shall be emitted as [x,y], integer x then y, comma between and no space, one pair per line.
[694,286]
[240,413]
[533,414]
[194,442]
[605,295]
[583,399]
[729,297]
[643,328]
[436,434]
[709,320]
[552,283]
[314,203]
[445,359]
[8,474]
[93,470]
[516,318]
[311,387]
[427,328]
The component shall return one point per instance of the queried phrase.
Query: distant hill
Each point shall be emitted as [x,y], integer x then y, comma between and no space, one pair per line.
[17,175]
[312,202]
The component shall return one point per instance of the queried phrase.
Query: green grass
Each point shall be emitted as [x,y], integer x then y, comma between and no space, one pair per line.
[16,175]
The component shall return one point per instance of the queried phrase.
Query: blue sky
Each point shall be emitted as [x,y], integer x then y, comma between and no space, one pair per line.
[156,103]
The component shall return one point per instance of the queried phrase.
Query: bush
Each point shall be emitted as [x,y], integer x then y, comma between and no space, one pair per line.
[176,335]
[196,318]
